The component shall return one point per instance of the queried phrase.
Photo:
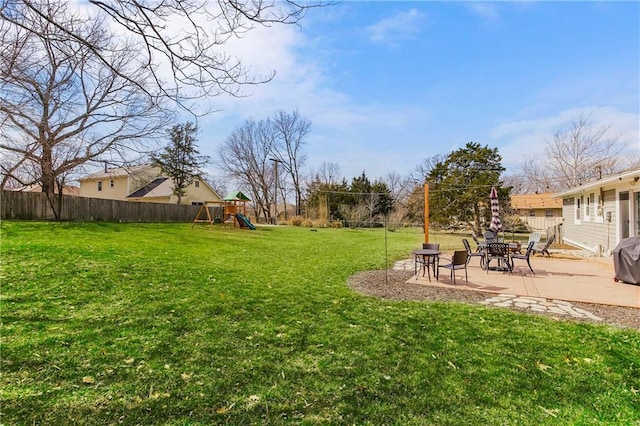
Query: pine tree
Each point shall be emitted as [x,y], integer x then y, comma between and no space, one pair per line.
[181,160]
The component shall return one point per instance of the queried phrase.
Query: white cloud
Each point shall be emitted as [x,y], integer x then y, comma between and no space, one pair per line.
[341,129]
[401,26]
[489,12]
[528,138]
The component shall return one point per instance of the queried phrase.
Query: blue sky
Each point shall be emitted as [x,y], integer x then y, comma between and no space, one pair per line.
[387,84]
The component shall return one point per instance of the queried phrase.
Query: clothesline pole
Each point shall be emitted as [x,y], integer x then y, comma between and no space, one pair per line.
[426,212]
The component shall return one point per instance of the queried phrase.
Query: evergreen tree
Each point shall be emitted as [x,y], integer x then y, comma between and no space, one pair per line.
[459,186]
[386,202]
[181,160]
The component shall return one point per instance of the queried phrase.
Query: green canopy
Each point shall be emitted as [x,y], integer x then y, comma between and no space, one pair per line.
[236,196]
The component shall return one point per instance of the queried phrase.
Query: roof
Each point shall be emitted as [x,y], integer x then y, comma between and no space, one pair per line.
[236,196]
[543,200]
[116,172]
[628,175]
[66,190]
[160,187]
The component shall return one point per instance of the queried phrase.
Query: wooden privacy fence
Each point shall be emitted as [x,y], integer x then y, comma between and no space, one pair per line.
[37,206]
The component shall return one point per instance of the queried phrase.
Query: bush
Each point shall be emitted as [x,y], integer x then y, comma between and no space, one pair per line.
[307,223]
[296,220]
[336,224]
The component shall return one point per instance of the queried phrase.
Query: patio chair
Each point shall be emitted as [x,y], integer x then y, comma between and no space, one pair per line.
[458,262]
[424,262]
[525,256]
[535,237]
[475,239]
[471,254]
[490,237]
[498,252]
[544,249]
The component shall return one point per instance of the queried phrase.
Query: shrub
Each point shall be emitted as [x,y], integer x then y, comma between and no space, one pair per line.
[394,220]
[296,220]
[321,223]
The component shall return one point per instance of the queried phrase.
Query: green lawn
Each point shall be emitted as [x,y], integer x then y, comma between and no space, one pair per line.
[164,324]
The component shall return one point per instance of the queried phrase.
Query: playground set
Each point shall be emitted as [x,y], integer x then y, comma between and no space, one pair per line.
[232,209]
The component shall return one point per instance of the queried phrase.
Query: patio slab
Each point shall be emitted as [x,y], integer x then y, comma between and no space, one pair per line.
[588,280]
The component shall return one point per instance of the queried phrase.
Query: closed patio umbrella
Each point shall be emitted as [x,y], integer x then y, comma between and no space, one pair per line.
[495,224]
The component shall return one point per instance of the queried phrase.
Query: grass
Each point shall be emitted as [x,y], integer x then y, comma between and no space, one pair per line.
[164,324]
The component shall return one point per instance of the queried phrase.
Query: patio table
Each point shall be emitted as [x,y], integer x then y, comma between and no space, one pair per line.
[427,255]
[501,254]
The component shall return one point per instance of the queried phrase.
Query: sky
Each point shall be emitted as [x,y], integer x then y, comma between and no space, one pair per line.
[388,84]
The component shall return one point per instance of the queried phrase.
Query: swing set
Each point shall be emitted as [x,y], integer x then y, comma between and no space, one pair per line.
[232,210]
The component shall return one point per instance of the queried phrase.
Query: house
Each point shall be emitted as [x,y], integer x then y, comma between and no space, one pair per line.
[539,211]
[144,183]
[599,214]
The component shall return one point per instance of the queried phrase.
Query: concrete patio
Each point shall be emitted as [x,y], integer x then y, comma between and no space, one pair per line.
[559,277]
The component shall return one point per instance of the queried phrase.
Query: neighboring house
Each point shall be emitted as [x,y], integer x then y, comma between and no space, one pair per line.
[599,214]
[142,183]
[66,190]
[539,211]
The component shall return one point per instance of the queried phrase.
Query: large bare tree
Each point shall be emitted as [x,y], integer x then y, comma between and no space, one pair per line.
[583,152]
[181,40]
[62,106]
[252,153]
[244,157]
[290,130]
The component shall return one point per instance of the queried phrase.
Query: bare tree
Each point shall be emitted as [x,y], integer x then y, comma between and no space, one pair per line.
[62,107]
[217,183]
[184,36]
[401,189]
[518,183]
[537,177]
[576,155]
[356,215]
[423,170]
[327,173]
[579,154]
[399,186]
[244,157]
[414,203]
[290,131]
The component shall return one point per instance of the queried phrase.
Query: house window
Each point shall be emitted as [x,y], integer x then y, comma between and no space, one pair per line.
[196,203]
[197,184]
[111,183]
[600,207]
[532,213]
[578,207]
[587,208]
[548,213]
[99,185]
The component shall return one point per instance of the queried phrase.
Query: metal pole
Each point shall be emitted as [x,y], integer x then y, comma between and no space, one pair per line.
[386,253]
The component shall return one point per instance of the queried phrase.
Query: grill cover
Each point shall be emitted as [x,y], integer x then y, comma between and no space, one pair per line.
[626,260]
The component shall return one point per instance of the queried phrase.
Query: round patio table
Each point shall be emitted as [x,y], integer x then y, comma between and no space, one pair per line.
[429,256]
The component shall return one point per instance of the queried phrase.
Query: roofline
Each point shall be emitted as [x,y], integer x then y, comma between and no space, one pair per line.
[599,182]
[210,187]
[116,172]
